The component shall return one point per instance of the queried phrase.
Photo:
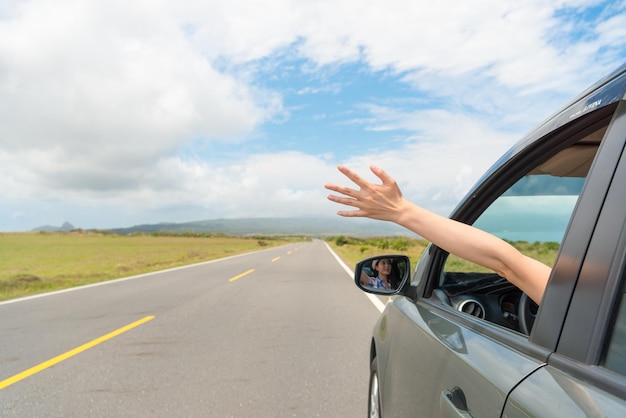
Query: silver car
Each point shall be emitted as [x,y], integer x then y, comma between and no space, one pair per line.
[464,342]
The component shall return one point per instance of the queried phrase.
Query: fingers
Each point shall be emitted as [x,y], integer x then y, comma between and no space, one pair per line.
[351,195]
[351,213]
[361,199]
[348,202]
[385,178]
[343,200]
[347,191]
[356,179]
[382,175]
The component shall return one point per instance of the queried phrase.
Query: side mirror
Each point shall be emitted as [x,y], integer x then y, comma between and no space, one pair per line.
[383,275]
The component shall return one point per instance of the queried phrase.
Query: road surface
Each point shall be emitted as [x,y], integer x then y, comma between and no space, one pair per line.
[281,332]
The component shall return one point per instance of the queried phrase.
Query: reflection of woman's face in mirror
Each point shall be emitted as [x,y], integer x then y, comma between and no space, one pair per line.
[383,267]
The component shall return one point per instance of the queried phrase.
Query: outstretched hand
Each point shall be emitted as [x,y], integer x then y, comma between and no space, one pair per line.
[385,202]
[376,201]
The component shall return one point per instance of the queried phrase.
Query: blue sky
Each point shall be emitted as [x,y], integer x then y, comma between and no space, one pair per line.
[116,113]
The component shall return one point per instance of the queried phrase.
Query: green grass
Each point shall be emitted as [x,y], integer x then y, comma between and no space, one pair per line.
[32,263]
[353,250]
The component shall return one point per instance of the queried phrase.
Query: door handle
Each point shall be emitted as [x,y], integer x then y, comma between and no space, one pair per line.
[453,404]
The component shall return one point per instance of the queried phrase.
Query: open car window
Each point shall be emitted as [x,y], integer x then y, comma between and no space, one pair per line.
[533,215]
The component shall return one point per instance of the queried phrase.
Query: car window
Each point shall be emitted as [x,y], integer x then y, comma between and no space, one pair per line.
[533,215]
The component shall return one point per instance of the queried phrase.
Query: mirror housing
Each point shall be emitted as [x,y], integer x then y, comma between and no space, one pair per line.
[383,274]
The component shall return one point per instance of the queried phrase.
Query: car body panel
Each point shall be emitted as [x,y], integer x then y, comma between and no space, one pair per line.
[551,393]
[482,368]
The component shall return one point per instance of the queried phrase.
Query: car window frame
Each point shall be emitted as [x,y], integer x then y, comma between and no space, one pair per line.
[560,289]
[488,190]
[593,305]
[586,364]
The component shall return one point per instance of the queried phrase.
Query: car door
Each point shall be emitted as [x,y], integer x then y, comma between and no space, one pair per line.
[586,376]
[457,349]
[440,366]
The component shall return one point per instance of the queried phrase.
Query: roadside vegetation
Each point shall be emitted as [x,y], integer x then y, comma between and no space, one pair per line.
[36,262]
[352,250]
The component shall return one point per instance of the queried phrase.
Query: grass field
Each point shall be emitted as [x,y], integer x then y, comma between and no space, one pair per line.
[353,250]
[38,262]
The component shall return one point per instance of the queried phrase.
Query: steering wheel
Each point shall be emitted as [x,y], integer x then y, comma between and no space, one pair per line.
[526,312]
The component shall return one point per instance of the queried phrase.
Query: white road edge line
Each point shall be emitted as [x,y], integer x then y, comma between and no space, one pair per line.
[377,303]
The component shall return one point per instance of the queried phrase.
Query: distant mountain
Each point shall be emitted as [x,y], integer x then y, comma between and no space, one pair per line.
[66,227]
[319,226]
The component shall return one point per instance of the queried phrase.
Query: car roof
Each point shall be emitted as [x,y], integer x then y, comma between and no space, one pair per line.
[604,92]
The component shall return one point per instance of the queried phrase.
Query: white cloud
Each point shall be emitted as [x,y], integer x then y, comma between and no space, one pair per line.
[94,77]
[98,98]
[437,167]
[518,44]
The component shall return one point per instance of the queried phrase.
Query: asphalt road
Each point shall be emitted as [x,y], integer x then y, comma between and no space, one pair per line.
[277,333]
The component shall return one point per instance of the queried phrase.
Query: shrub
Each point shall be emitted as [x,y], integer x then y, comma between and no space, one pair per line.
[341,240]
[551,246]
[400,244]
[383,244]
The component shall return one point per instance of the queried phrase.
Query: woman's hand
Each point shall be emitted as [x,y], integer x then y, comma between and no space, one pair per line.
[376,201]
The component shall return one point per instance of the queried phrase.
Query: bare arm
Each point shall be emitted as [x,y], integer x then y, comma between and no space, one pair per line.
[365,279]
[385,202]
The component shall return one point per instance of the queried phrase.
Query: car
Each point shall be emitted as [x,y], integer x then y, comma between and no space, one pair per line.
[455,340]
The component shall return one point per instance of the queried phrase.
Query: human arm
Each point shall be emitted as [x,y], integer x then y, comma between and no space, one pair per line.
[365,279]
[385,202]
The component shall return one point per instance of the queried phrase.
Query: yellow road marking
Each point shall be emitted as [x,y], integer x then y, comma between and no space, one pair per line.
[71,353]
[245,273]
[275,259]
[288,252]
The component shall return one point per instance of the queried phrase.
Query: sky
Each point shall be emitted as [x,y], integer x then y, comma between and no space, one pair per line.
[117,113]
